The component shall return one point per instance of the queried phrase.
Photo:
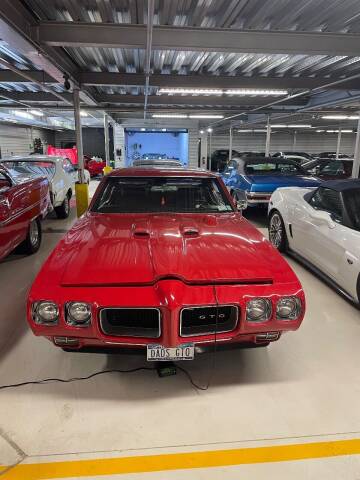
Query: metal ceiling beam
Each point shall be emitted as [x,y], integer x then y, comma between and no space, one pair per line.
[81,34]
[191,100]
[205,81]
[35,96]
[16,25]
[7,76]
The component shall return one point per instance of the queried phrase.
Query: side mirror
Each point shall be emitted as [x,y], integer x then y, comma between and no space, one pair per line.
[240,200]
[4,185]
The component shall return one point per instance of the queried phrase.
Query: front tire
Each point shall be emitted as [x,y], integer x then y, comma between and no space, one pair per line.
[33,239]
[63,211]
[277,232]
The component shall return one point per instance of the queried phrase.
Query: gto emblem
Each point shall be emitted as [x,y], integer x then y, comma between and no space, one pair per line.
[203,317]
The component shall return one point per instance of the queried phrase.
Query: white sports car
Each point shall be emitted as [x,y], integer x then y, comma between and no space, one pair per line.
[321,227]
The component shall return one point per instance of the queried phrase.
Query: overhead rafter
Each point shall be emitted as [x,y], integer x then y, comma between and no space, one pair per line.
[15,27]
[35,96]
[81,34]
[176,81]
[188,100]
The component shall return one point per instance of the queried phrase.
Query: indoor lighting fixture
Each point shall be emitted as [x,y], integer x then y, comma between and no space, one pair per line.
[201,132]
[219,91]
[143,129]
[209,130]
[291,126]
[337,131]
[320,131]
[192,91]
[163,129]
[255,130]
[254,91]
[341,117]
[83,113]
[169,115]
[37,113]
[206,116]
[21,113]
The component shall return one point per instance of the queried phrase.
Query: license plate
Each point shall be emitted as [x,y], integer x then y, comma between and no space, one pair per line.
[158,353]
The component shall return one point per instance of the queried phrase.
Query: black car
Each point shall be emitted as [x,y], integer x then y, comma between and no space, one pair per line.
[331,155]
[330,168]
[220,158]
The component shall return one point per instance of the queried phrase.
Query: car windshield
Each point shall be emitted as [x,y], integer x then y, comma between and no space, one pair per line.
[352,205]
[160,194]
[273,168]
[31,167]
[154,156]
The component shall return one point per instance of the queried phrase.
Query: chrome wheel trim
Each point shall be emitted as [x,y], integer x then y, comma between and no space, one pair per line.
[276,230]
[34,233]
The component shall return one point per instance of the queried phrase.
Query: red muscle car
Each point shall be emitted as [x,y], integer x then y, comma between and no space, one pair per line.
[94,166]
[163,260]
[24,201]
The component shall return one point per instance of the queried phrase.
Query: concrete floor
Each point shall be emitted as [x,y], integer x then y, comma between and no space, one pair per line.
[305,388]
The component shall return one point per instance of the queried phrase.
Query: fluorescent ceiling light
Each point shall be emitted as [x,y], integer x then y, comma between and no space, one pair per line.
[192,91]
[201,132]
[340,117]
[163,129]
[255,91]
[37,113]
[255,130]
[337,131]
[143,129]
[83,113]
[293,125]
[209,130]
[169,115]
[206,116]
[219,91]
[320,131]
[22,114]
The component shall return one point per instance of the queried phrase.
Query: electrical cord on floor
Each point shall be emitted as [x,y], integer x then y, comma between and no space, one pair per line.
[101,372]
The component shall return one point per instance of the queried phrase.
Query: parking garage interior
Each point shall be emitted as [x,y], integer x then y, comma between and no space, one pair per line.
[179,80]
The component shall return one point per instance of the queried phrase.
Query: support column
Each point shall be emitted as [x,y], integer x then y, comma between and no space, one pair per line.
[106,139]
[356,164]
[203,149]
[81,187]
[294,140]
[208,164]
[338,144]
[230,143]
[268,137]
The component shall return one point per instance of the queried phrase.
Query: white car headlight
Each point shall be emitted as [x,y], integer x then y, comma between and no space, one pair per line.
[288,308]
[78,314]
[258,310]
[45,313]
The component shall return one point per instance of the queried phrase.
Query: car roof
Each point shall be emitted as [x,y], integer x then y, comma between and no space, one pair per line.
[342,185]
[159,172]
[32,158]
[253,160]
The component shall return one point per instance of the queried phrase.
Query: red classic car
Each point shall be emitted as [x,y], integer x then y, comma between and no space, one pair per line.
[24,201]
[163,260]
[94,166]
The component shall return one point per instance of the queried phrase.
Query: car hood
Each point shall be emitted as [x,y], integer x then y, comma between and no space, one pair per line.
[198,249]
[271,182]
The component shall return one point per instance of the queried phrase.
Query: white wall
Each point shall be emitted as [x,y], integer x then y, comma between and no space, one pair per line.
[307,142]
[17,140]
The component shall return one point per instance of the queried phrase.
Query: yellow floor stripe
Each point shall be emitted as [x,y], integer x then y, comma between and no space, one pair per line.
[178,461]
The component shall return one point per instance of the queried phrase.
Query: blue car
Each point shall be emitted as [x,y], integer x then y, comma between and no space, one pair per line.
[259,177]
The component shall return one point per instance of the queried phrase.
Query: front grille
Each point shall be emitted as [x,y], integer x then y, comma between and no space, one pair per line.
[203,321]
[131,322]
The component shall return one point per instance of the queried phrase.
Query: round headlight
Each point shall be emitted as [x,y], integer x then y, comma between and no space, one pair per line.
[79,313]
[46,313]
[288,308]
[258,310]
